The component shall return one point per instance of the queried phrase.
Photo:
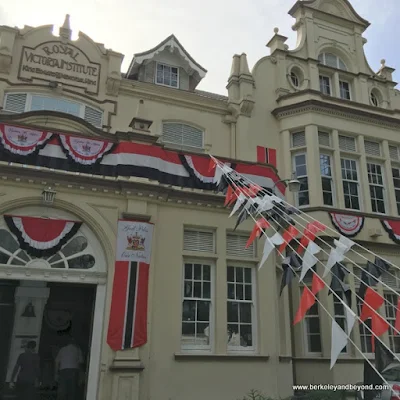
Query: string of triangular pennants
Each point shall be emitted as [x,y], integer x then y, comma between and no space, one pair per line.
[271,213]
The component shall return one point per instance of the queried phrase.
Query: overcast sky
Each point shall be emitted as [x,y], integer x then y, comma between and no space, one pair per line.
[210,30]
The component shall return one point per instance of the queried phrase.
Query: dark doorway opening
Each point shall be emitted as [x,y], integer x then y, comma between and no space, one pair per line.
[68,312]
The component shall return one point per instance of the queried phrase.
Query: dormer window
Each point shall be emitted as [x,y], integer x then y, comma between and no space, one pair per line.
[167,75]
[331,60]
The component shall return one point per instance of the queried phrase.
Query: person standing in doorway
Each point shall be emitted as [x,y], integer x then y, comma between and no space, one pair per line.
[69,362]
[27,372]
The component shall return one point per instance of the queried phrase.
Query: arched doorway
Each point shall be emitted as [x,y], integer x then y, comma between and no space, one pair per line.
[48,297]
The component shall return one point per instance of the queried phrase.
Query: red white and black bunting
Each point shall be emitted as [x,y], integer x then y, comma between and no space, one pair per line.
[348,225]
[102,158]
[393,229]
[83,150]
[22,141]
[41,237]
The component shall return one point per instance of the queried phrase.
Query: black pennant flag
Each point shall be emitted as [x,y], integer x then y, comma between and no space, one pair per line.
[339,272]
[369,277]
[290,263]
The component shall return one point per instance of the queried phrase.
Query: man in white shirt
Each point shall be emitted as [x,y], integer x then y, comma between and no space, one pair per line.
[69,362]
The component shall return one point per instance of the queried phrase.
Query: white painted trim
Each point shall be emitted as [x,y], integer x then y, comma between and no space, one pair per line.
[97,338]
[172,44]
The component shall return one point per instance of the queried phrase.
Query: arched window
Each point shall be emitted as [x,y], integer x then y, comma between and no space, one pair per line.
[24,102]
[332,60]
[182,135]
[375,98]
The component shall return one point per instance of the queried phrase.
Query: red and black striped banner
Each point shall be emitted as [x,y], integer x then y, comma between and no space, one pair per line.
[128,316]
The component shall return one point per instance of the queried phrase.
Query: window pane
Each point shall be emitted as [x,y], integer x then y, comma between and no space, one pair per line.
[245,312]
[189,310]
[203,311]
[233,311]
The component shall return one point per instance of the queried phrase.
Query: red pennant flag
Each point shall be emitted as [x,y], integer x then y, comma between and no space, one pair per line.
[211,165]
[262,223]
[255,188]
[306,302]
[287,236]
[378,326]
[397,322]
[317,284]
[309,234]
[230,195]
[372,301]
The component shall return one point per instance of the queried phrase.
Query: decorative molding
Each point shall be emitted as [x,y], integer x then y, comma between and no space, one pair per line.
[246,106]
[112,86]
[220,357]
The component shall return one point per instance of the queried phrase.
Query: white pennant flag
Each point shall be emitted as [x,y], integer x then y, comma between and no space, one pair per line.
[309,259]
[240,200]
[339,341]
[269,246]
[346,242]
[218,174]
[266,204]
[334,257]
[350,319]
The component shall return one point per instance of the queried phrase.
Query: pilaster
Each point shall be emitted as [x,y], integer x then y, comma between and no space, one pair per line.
[285,166]
[313,166]
[337,170]
[388,181]
[363,178]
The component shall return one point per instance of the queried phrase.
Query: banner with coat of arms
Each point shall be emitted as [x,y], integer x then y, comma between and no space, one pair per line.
[128,316]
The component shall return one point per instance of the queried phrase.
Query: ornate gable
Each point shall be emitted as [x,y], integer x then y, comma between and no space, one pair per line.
[339,8]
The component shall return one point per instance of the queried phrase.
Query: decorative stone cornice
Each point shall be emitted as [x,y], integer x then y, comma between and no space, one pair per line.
[336,110]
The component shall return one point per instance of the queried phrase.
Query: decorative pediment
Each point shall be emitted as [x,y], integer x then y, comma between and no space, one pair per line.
[339,8]
[52,120]
[172,45]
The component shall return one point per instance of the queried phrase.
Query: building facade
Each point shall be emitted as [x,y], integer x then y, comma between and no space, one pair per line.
[318,110]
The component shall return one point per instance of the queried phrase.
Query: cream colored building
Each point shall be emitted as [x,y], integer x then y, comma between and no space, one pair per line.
[317,104]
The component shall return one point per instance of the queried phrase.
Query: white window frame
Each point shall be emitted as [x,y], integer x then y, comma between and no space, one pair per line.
[390,313]
[351,181]
[396,190]
[366,336]
[338,60]
[254,320]
[385,203]
[198,347]
[321,77]
[340,89]
[294,155]
[82,106]
[331,177]
[342,317]
[169,66]
[305,328]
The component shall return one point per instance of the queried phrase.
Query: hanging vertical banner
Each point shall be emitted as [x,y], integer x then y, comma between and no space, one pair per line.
[347,225]
[128,316]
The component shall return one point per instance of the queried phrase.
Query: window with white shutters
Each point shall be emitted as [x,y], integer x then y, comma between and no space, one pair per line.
[324,139]
[24,102]
[394,153]
[236,246]
[182,135]
[372,148]
[347,143]
[199,240]
[298,139]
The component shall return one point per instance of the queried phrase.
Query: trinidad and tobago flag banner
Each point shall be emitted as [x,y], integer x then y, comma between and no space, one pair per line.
[41,237]
[347,225]
[392,227]
[128,316]
[74,153]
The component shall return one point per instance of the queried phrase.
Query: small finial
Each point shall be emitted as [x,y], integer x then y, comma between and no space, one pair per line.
[276,30]
[65,30]
[66,24]
[383,62]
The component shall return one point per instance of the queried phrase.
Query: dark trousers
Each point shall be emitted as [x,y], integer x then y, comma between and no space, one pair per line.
[25,391]
[68,384]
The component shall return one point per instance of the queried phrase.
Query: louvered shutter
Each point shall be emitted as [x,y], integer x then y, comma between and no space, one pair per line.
[93,116]
[372,148]
[15,102]
[298,139]
[182,135]
[324,139]
[347,143]
[203,241]
[236,246]
[394,152]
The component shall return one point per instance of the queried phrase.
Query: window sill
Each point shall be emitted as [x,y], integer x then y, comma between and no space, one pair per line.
[343,360]
[199,254]
[219,357]
[242,260]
